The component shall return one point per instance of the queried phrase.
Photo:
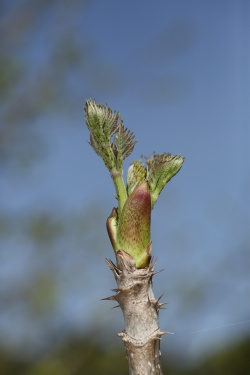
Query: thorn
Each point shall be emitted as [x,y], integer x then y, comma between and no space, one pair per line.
[153,262]
[159,306]
[158,338]
[121,334]
[165,333]
[109,263]
[112,266]
[108,298]
[162,304]
[115,307]
[154,273]
[155,301]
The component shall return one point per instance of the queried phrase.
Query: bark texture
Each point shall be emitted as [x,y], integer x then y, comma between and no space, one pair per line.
[140,309]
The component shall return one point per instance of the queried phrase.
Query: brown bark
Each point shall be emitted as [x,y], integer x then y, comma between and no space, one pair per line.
[140,309]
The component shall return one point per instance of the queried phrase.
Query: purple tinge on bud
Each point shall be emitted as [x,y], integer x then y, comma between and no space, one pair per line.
[134,226]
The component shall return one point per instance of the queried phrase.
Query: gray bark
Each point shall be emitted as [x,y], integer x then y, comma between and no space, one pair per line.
[140,309]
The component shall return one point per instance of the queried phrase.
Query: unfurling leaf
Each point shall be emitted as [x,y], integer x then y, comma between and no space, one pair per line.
[136,175]
[110,140]
[122,145]
[160,169]
[102,124]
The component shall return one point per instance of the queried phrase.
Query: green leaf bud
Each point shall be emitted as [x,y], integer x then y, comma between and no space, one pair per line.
[160,169]
[136,175]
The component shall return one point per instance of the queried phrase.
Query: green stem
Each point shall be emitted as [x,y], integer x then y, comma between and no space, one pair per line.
[119,188]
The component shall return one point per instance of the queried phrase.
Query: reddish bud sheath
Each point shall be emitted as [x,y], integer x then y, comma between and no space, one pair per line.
[134,225]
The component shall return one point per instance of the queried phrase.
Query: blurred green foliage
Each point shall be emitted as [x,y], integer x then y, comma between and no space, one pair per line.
[44,228]
[85,356]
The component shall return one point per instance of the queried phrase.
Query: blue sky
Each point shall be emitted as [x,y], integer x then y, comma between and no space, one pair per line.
[178,71]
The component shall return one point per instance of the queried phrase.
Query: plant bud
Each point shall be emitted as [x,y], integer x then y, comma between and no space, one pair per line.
[134,226]
[136,175]
[111,225]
